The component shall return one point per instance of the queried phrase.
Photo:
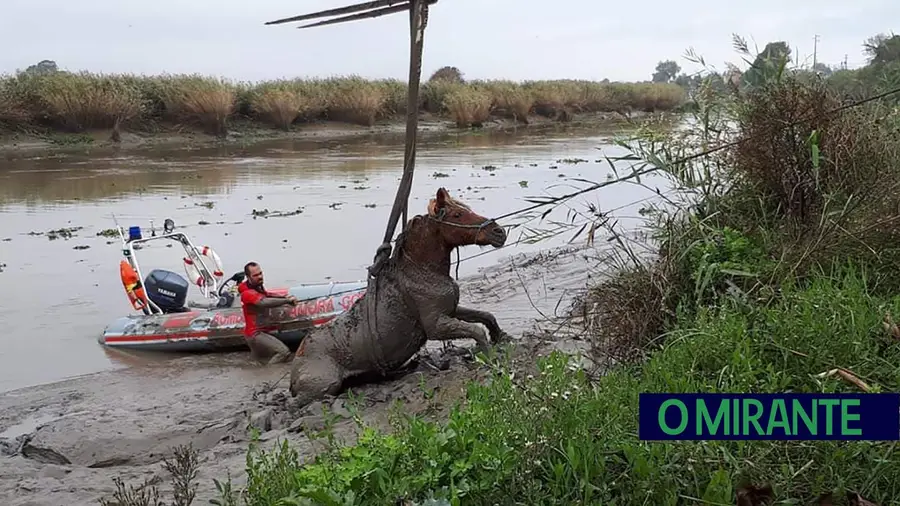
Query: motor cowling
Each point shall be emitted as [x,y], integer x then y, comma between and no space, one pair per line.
[166,289]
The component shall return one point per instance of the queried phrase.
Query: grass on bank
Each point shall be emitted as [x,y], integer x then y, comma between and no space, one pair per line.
[559,438]
[76,102]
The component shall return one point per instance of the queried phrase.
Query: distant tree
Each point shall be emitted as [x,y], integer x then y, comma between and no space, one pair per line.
[666,71]
[822,69]
[882,48]
[769,64]
[451,74]
[42,67]
[688,82]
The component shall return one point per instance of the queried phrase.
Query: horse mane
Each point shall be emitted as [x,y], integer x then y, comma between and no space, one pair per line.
[400,243]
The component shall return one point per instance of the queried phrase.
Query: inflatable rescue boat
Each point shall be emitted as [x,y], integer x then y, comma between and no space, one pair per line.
[167,321]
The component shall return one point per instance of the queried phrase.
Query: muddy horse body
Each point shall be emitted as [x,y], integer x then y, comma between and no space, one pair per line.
[411,301]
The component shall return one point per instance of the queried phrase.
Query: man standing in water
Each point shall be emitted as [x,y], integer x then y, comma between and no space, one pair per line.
[254,300]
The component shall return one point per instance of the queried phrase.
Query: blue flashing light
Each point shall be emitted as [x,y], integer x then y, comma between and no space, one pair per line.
[134,233]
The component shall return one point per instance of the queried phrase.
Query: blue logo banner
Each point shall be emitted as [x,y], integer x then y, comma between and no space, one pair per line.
[788,416]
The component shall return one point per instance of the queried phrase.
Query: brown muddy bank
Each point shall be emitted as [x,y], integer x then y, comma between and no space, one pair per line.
[63,443]
[247,133]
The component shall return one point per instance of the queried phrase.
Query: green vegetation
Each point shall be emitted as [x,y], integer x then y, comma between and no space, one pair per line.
[777,271]
[45,97]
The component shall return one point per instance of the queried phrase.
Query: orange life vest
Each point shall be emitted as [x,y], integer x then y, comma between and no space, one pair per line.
[133,287]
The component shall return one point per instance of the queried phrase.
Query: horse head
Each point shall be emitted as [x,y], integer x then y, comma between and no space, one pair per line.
[458,225]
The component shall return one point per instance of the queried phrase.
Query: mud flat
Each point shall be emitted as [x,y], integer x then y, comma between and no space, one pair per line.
[246,133]
[63,443]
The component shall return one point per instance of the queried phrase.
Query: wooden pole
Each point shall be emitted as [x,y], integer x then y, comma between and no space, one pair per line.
[418,17]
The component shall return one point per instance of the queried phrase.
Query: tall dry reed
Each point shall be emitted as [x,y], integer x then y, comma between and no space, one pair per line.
[468,106]
[13,110]
[355,100]
[205,101]
[80,101]
[395,92]
[280,103]
[509,99]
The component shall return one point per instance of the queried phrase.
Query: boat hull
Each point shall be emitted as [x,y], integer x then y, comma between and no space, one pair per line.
[223,329]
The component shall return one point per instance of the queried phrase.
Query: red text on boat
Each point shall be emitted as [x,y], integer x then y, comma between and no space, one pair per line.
[348,300]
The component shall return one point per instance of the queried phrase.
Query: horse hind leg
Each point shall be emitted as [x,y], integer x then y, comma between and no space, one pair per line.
[313,378]
[448,328]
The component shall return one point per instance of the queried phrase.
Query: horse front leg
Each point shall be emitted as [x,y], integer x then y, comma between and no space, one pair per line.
[485,318]
[448,328]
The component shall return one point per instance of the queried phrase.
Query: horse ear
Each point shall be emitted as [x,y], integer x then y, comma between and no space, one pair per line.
[441,197]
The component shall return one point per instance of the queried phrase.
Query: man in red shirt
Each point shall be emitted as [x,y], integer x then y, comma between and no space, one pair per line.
[254,300]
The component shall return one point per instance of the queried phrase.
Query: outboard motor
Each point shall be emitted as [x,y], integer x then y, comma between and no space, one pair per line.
[166,289]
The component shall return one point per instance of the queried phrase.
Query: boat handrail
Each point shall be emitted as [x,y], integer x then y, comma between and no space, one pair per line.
[210,287]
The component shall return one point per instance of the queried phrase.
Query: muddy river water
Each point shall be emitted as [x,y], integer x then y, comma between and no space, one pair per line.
[61,292]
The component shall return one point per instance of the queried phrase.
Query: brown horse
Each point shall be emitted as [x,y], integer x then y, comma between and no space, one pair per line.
[412,300]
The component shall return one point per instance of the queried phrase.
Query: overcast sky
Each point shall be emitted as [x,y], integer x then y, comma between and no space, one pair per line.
[515,39]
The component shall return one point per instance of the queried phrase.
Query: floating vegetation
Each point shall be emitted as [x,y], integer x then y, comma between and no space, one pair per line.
[572,161]
[65,233]
[265,213]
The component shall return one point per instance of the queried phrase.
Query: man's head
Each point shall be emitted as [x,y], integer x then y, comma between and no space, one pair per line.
[254,274]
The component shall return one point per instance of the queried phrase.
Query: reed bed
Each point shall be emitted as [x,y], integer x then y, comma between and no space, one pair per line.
[281,103]
[12,108]
[468,106]
[355,100]
[509,99]
[81,101]
[199,100]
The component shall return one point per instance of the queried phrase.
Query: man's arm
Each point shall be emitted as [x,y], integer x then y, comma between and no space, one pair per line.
[261,301]
[270,302]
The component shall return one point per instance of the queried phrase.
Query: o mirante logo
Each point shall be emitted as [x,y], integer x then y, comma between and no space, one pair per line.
[789,416]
